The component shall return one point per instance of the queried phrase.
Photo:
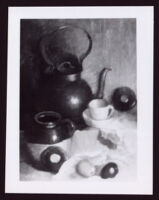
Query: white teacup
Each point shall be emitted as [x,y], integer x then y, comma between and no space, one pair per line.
[100,110]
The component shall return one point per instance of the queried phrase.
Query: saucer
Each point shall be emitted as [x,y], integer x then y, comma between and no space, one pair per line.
[96,123]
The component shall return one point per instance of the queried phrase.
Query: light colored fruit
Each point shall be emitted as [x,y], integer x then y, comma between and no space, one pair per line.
[85,168]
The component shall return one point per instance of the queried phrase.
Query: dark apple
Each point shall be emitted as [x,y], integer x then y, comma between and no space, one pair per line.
[110,170]
[52,159]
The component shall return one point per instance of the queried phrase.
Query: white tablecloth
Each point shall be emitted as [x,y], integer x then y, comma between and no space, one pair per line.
[85,144]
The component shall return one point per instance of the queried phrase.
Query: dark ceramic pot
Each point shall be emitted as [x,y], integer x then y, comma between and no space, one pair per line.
[65,91]
[48,127]
[67,94]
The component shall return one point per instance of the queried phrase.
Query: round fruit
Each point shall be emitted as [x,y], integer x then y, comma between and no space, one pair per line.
[52,158]
[109,171]
[85,168]
[124,99]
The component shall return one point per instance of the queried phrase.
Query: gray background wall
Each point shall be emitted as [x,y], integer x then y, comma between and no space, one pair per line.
[114,45]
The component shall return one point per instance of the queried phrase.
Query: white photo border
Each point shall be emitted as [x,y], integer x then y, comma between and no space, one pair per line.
[144,182]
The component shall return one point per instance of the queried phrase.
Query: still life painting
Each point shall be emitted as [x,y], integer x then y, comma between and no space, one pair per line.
[80,119]
[81,109]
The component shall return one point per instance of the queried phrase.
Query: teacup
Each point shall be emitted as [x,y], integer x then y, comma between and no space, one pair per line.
[100,110]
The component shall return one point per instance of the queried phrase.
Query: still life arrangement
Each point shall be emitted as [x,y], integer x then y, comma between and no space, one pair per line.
[74,134]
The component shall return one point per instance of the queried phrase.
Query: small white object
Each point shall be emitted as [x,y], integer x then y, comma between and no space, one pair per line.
[124,99]
[111,170]
[85,168]
[55,158]
[101,124]
[54,137]
[100,110]
[74,100]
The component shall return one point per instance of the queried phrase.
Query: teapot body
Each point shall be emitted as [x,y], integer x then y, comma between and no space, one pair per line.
[68,95]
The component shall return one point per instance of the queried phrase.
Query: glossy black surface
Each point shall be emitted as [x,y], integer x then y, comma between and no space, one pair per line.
[45,159]
[67,94]
[110,170]
[124,99]
[64,91]
[48,127]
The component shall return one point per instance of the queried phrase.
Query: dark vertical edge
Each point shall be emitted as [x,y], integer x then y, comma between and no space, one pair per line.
[3,90]
[20,97]
[156,104]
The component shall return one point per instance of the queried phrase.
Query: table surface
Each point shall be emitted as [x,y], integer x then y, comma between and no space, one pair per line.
[84,143]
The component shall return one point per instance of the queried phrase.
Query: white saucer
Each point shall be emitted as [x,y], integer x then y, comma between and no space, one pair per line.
[96,123]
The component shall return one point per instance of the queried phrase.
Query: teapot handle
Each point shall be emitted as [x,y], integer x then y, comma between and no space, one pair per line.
[81,58]
[84,55]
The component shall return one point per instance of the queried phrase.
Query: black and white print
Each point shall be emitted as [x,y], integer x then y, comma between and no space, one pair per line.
[84,71]
[80,113]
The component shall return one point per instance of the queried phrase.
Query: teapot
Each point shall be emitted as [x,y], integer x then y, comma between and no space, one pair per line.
[68,94]
[65,91]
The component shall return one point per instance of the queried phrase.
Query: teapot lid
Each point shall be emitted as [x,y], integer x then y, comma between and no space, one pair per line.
[67,67]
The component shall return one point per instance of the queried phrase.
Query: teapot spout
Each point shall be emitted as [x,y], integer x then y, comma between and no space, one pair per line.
[102,79]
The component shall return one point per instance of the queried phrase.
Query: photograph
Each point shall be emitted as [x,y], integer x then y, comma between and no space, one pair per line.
[78,105]
[81,107]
